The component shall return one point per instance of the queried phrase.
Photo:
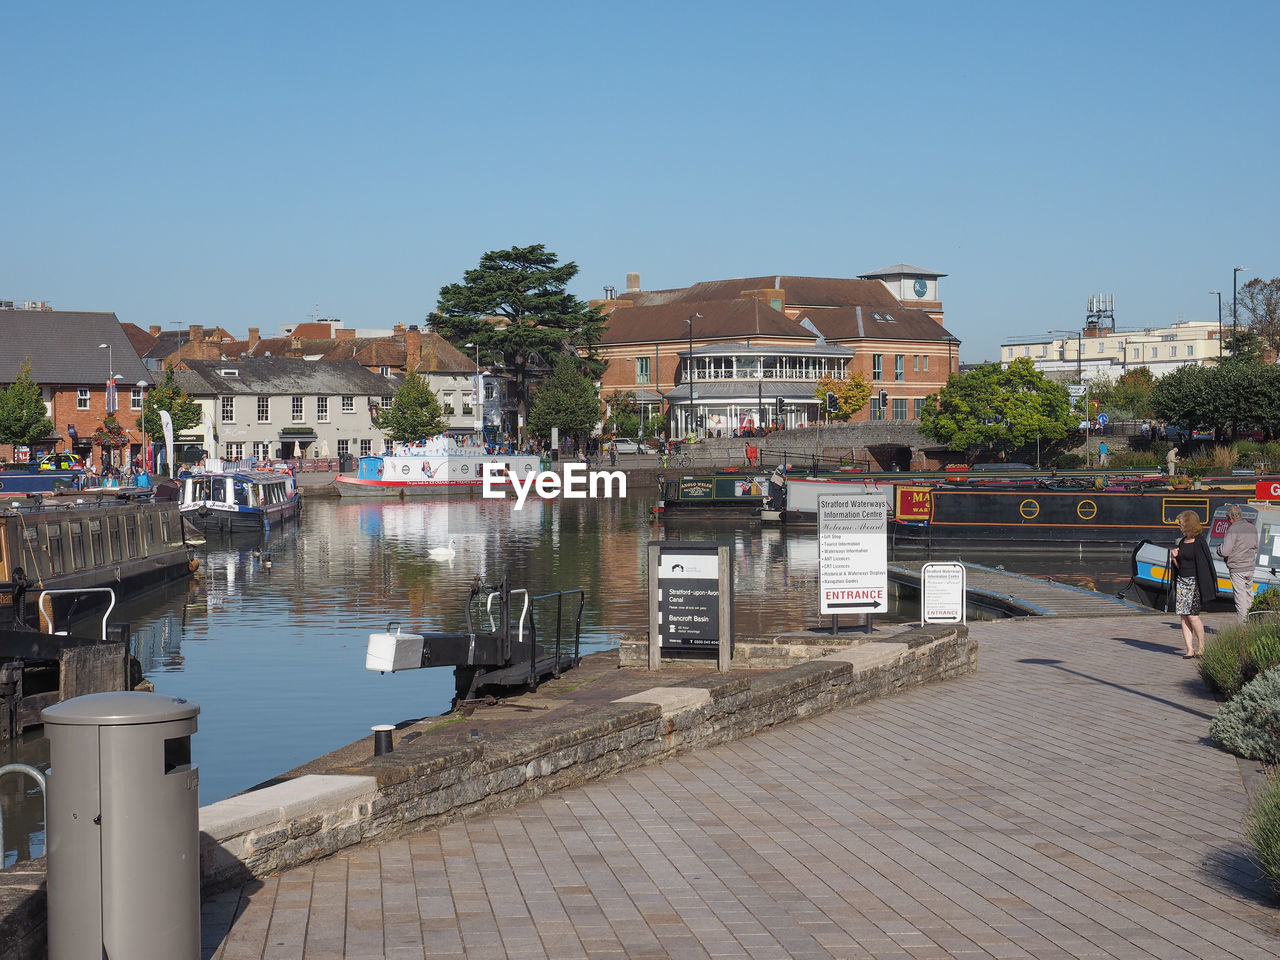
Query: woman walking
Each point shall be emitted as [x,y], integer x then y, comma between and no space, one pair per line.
[1195,579]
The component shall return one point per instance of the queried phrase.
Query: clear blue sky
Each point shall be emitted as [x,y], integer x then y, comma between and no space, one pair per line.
[243,163]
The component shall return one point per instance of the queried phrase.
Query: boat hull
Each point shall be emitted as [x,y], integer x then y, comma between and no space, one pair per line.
[217,518]
[442,469]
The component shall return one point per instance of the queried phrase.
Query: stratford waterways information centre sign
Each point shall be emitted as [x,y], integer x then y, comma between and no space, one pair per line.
[690,599]
[853,555]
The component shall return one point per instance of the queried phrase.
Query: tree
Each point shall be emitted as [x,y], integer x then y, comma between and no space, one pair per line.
[414,413]
[1129,398]
[624,415]
[23,417]
[566,399]
[851,393]
[167,395]
[515,309]
[1000,410]
[1259,300]
[1238,392]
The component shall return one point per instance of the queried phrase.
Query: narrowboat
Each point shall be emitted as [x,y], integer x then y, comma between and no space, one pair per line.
[440,465]
[726,493]
[239,501]
[128,542]
[22,478]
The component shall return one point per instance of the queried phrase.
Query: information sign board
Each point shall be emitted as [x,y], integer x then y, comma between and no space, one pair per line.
[1076,390]
[1102,419]
[942,593]
[689,596]
[853,563]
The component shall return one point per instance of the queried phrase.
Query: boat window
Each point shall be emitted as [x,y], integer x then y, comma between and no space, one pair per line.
[242,493]
[164,528]
[77,544]
[95,542]
[113,537]
[131,536]
[57,563]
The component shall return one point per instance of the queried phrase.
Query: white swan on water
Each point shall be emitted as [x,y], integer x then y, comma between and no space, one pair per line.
[443,553]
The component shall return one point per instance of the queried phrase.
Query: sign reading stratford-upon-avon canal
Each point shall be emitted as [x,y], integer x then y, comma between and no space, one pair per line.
[690,599]
[853,561]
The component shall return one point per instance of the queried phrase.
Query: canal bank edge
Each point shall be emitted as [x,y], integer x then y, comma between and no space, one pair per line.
[423,785]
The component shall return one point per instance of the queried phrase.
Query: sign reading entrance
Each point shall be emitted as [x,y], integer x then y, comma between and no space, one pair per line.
[853,564]
[942,593]
[690,598]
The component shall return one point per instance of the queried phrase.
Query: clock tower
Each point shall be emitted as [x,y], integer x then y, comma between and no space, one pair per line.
[912,286]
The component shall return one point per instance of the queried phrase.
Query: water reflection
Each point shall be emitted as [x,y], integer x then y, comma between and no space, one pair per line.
[269,637]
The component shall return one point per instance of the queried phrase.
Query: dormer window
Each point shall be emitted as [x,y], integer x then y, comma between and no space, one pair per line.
[228,372]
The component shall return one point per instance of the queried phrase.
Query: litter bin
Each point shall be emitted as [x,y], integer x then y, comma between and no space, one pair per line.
[346,463]
[123,828]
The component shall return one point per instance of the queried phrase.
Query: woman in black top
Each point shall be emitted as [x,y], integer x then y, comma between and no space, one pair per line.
[1195,579]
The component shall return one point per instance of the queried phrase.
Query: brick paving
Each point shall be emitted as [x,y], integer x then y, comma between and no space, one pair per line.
[1062,802]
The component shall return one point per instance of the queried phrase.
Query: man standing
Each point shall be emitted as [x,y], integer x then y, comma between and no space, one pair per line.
[1171,461]
[1238,549]
[1104,455]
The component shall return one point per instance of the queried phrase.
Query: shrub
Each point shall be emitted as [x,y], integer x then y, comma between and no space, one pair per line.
[1262,827]
[1249,723]
[1263,653]
[1223,457]
[1238,653]
[1070,461]
[1266,599]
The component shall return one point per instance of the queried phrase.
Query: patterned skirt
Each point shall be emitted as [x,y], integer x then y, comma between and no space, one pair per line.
[1188,596]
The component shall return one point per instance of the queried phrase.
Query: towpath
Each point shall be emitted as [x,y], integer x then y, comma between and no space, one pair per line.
[1062,802]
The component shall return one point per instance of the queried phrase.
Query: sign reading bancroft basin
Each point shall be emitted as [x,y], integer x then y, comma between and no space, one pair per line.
[853,563]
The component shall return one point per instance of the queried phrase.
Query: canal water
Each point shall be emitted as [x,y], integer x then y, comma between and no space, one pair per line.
[269,637]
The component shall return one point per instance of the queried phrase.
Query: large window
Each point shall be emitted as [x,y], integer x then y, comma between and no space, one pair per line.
[900,367]
[348,404]
[919,403]
[296,409]
[235,451]
[446,403]
[899,408]
[82,398]
[642,369]
[365,447]
[264,409]
[322,409]
[344,447]
[135,398]
[261,450]
[877,366]
[926,361]
[228,406]
[876,412]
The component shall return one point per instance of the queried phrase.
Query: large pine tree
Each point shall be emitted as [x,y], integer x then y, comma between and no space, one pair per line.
[514,307]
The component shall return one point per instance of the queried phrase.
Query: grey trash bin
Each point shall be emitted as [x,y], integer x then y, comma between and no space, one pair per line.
[123,828]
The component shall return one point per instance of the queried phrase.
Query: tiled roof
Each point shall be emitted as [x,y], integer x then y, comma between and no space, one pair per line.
[895,323]
[800,292]
[283,375]
[63,347]
[898,269]
[668,322]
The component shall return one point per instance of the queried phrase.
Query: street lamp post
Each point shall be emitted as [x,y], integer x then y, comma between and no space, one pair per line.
[146,458]
[109,405]
[689,321]
[1235,272]
[479,396]
[1213,293]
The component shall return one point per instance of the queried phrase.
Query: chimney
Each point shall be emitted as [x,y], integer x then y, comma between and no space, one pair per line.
[412,349]
[343,333]
[154,330]
[196,333]
[633,283]
[398,330]
[253,337]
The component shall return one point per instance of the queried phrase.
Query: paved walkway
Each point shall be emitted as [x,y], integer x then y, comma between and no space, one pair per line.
[1062,802]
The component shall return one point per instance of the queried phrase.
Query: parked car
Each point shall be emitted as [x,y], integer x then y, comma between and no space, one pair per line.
[60,461]
[627,445]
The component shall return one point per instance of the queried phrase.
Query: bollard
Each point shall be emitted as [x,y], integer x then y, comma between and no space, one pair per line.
[382,739]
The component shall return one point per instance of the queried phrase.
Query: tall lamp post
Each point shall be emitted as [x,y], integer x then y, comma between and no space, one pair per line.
[146,452]
[1214,293]
[479,396]
[1235,272]
[689,321]
[110,404]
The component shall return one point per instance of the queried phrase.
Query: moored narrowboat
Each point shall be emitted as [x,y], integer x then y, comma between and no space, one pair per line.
[239,501]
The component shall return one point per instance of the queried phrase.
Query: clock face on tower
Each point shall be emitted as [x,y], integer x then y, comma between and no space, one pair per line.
[920,287]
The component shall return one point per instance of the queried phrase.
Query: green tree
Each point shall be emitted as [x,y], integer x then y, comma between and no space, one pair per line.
[1003,411]
[23,417]
[852,394]
[167,395]
[624,415]
[1130,399]
[566,399]
[1259,301]
[414,413]
[514,307]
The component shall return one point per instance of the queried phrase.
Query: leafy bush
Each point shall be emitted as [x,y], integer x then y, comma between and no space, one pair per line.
[1264,653]
[1262,827]
[1136,458]
[1268,599]
[1240,652]
[1069,461]
[1249,723]
[1223,457]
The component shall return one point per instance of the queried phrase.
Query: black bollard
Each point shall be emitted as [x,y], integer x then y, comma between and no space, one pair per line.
[382,739]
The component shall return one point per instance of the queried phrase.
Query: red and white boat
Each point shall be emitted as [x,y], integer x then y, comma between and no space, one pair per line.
[441,465]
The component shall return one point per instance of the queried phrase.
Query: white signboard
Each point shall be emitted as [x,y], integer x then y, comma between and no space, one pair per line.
[942,593]
[1076,390]
[853,563]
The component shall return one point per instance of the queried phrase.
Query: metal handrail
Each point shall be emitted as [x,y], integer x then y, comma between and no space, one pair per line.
[52,593]
[44,795]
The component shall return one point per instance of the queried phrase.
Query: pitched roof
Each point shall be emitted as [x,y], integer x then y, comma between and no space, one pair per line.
[282,375]
[736,318]
[63,347]
[898,269]
[855,323]
[800,292]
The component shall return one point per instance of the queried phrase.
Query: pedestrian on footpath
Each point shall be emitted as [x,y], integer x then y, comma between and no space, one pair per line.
[1104,455]
[1195,580]
[1239,549]
[1171,461]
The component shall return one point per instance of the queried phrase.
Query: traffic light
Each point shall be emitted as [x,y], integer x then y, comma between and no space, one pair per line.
[702,420]
[833,404]
[884,399]
[781,403]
